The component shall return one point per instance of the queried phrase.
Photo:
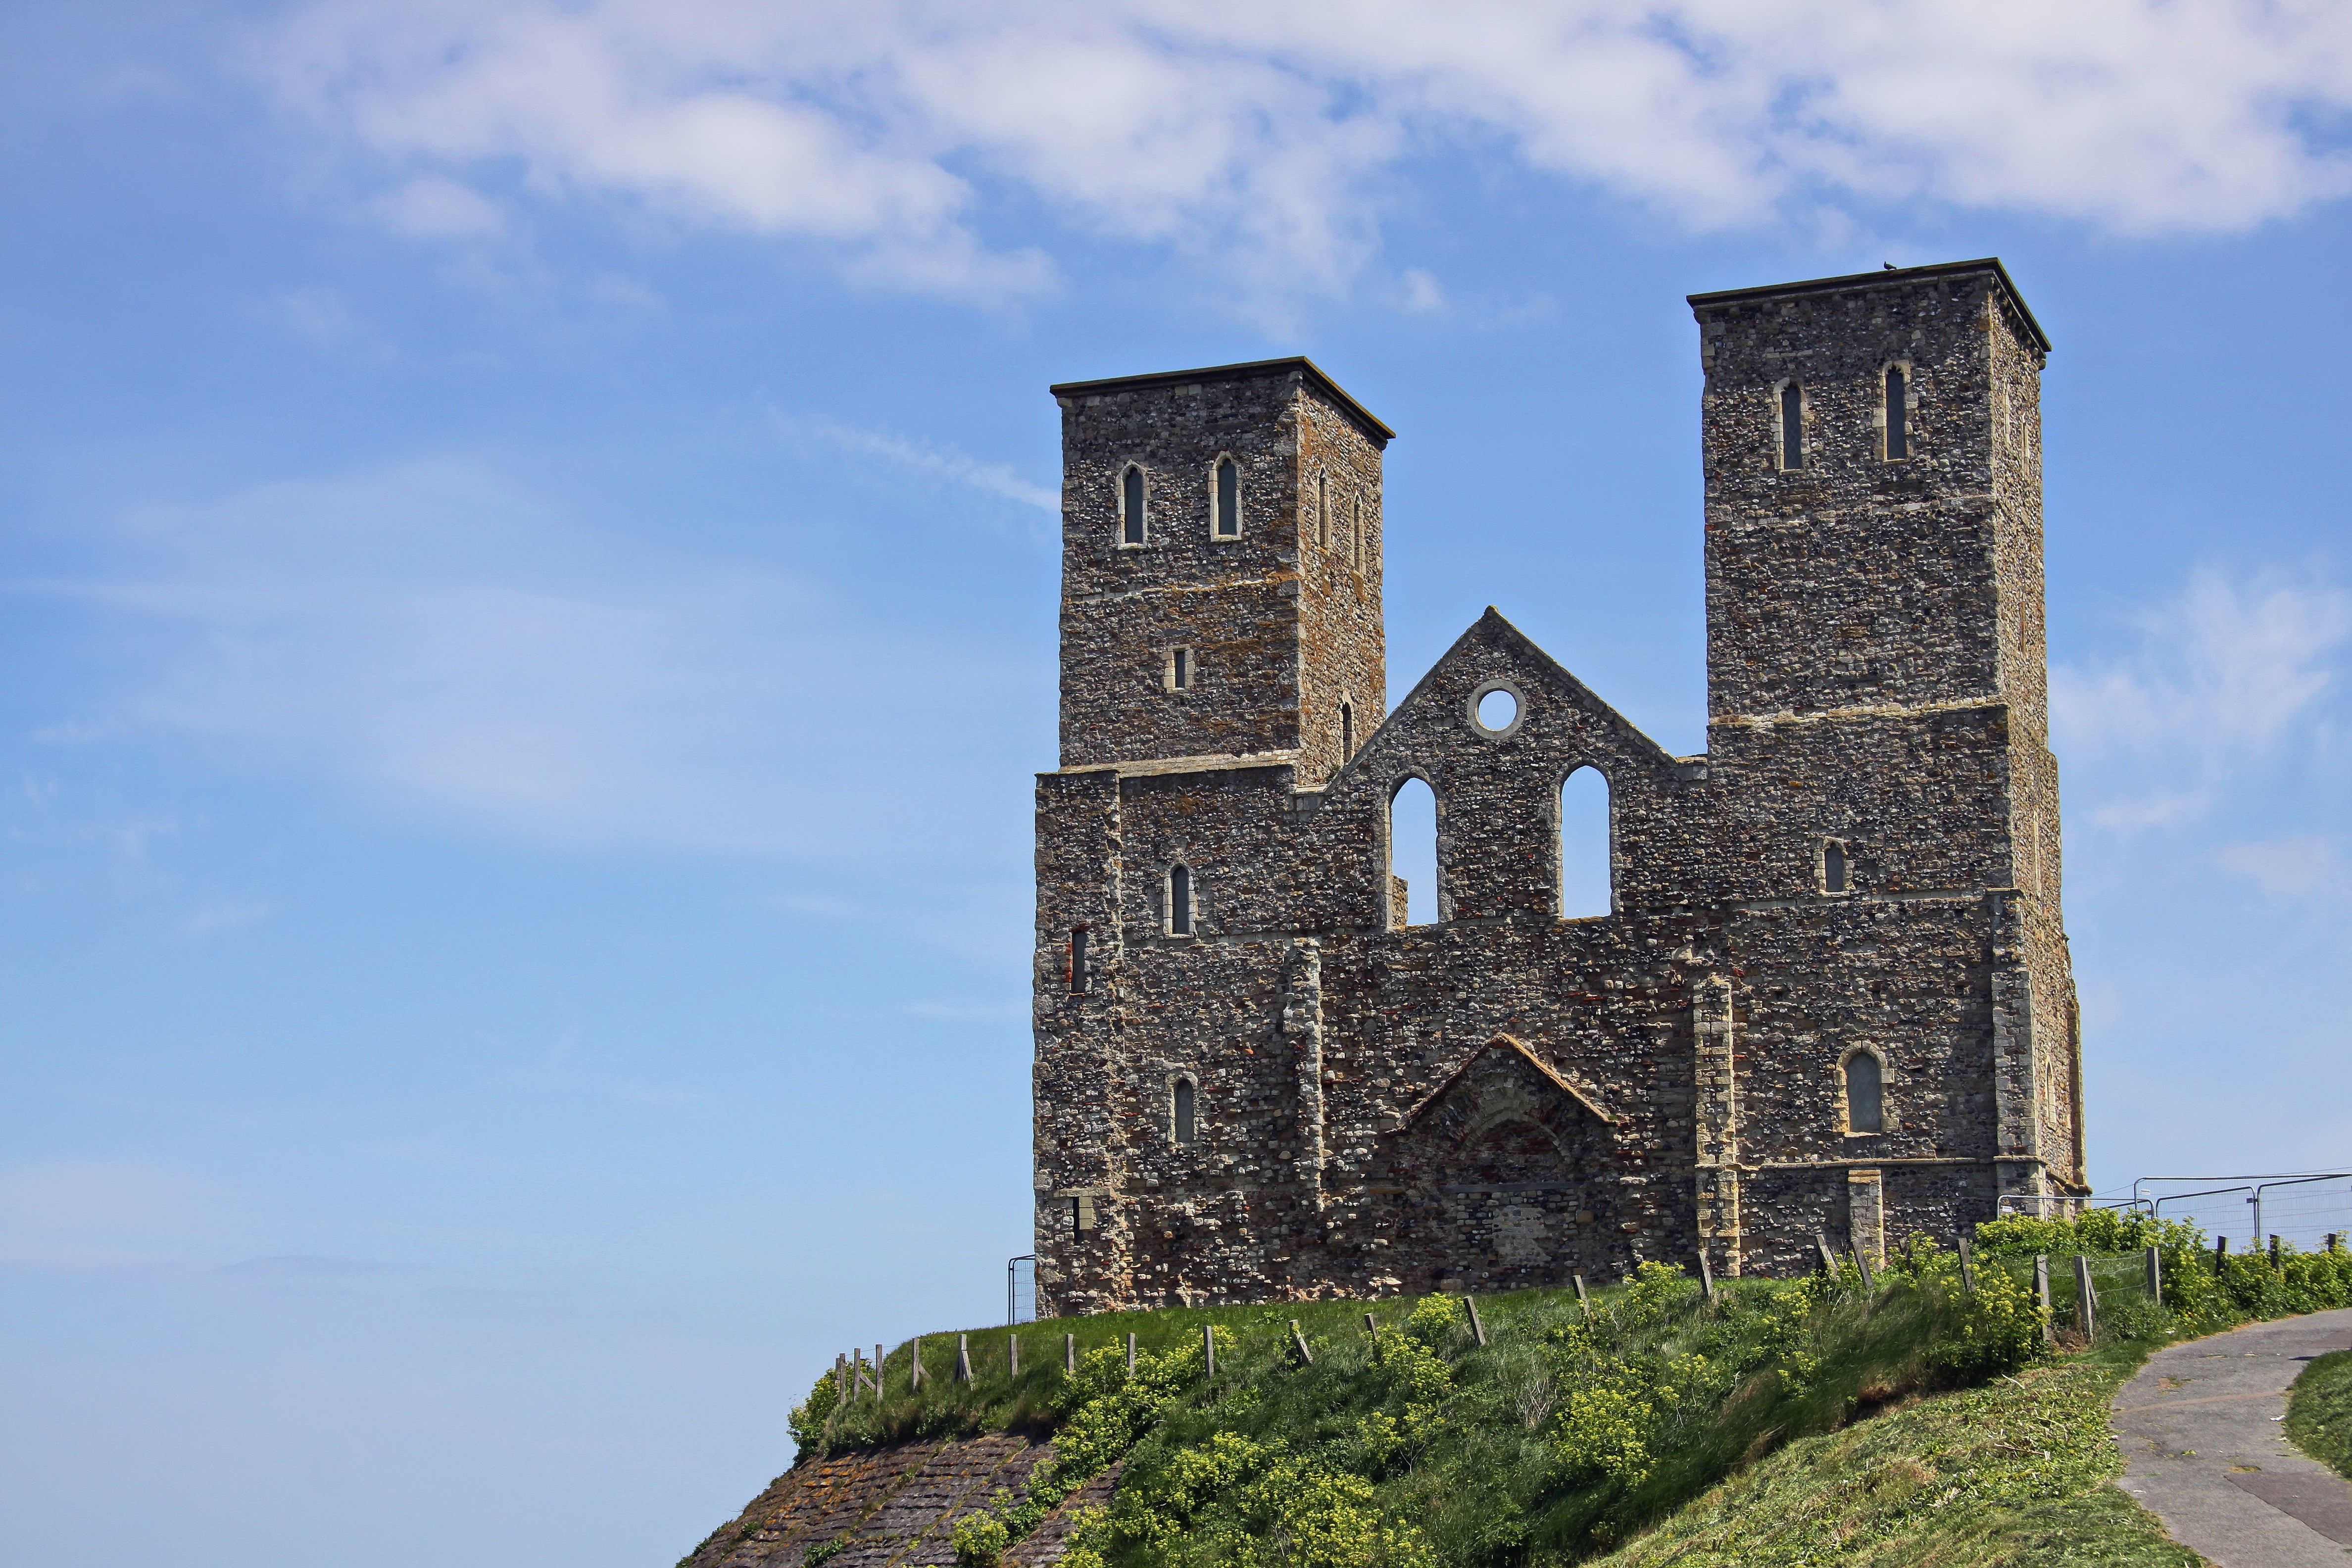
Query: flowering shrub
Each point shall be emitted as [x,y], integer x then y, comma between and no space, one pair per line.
[980,1539]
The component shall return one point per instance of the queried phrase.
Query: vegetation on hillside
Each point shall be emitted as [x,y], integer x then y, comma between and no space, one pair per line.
[1576,1427]
[2319,1412]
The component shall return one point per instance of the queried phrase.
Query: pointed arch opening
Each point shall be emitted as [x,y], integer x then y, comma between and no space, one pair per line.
[1412,854]
[1587,885]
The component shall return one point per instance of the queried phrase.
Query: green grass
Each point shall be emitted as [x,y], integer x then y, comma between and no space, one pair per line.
[1784,1423]
[2012,1475]
[2319,1412]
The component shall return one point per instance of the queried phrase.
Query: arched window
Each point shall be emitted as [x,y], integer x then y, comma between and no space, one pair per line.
[1180,1118]
[1898,432]
[1793,425]
[1412,856]
[1585,886]
[1864,1094]
[1834,867]
[1130,505]
[1229,498]
[1346,731]
[1180,900]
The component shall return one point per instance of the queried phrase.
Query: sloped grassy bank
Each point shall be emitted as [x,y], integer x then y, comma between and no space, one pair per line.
[1572,1431]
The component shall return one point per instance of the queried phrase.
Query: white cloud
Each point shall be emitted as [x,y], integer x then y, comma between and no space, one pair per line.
[1251,133]
[2224,675]
[431,206]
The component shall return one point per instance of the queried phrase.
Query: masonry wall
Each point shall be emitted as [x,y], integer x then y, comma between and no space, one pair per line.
[1508,1097]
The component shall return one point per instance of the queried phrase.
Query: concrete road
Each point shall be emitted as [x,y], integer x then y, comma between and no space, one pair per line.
[2201,1431]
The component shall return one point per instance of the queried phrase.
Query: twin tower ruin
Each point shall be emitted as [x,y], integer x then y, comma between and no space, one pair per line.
[1832,992]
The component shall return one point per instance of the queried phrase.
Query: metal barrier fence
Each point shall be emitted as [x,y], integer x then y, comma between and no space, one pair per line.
[1020,1289]
[2303,1207]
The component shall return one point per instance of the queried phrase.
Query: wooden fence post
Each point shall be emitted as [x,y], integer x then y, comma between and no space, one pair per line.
[1862,1261]
[1306,1356]
[2087,1298]
[1209,1349]
[841,1380]
[1013,1355]
[1829,1258]
[1070,1353]
[878,1375]
[1130,1355]
[1706,1276]
[915,1365]
[1582,1298]
[1967,1266]
[963,1358]
[1478,1328]
[2041,1295]
[2155,1274]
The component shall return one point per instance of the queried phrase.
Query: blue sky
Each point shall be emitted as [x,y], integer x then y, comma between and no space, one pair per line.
[528,594]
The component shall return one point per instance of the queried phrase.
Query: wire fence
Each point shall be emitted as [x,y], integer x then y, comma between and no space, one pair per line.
[2303,1207]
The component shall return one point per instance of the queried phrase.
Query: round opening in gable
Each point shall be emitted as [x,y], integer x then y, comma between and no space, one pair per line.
[1498,710]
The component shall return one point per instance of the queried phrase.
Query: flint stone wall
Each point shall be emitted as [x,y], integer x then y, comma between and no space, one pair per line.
[1505,1096]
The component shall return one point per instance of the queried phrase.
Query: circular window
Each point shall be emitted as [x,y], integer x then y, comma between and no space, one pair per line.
[1495,709]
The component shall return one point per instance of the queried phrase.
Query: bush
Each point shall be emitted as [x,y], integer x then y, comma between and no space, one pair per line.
[807,1420]
[980,1539]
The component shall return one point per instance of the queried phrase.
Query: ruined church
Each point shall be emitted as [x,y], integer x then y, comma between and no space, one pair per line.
[1830,991]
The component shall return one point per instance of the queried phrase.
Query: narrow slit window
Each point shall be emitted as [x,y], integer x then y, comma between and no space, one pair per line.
[1130,505]
[1834,867]
[1793,425]
[1229,498]
[1898,432]
[1346,731]
[1864,1094]
[1182,1112]
[1356,534]
[1079,976]
[1323,511]
[1180,900]
[1180,670]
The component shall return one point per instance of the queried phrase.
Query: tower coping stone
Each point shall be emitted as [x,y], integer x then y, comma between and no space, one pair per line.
[1879,280]
[1250,370]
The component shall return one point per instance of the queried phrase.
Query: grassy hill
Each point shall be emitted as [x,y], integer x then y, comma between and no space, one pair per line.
[1908,1420]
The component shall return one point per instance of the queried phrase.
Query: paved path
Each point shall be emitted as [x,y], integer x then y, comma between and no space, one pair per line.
[2200,1434]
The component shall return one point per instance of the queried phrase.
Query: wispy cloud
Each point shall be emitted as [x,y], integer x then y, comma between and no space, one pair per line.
[225,917]
[1259,133]
[2222,676]
[2300,867]
[444,643]
[929,458]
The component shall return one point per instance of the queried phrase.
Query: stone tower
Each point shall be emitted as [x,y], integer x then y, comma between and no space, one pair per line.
[1872,454]
[1831,993]
[1255,554]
